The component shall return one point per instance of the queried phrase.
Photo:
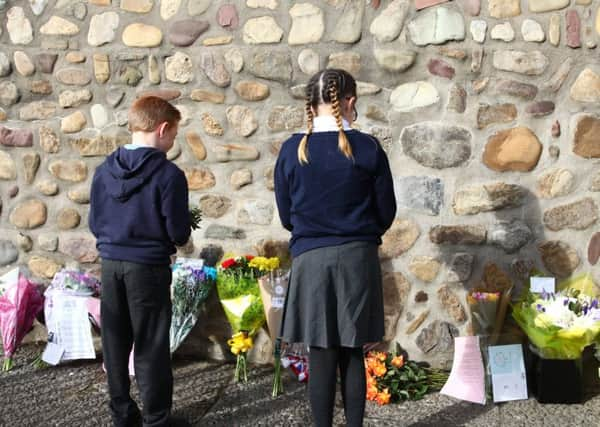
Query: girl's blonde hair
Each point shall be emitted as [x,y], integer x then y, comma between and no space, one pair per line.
[327,87]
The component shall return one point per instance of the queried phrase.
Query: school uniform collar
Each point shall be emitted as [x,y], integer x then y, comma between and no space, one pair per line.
[328,124]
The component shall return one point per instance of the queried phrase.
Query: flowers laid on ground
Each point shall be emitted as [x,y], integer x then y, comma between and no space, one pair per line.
[392,378]
[191,285]
[75,282]
[563,323]
[237,286]
[483,307]
[20,302]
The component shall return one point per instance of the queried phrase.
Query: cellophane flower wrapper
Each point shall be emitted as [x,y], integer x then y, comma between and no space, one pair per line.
[75,282]
[295,357]
[20,303]
[561,325]
[483,307]
[191,285]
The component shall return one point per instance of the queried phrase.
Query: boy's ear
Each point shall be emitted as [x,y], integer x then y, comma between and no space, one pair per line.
[162,129]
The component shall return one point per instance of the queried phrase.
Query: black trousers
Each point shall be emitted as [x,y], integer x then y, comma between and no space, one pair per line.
[136,310]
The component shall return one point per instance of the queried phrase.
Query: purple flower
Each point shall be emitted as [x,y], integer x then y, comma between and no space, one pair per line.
[594,303]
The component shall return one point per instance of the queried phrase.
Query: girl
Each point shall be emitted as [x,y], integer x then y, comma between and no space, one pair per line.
[334,192]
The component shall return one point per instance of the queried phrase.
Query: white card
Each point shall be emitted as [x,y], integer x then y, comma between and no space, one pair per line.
[542,284]
[53,353]
[508,372]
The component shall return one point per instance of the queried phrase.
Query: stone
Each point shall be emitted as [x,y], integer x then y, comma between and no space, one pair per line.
[199,178]
[137,6]
[174,152]
[271,65]
[48,242]
[198,7]
[573,29]
[101,67]
[78,11]
[437,26]
[73,122]
[437,338]
[3,115]
[9,93]
[75,57]
[515,88]
[227,17]
[476,59]
[29,214]
[384,135]
[217,41]
[67,218]
[503,32]
[554,152]
[5,67]
[233,152]
[81,247]
[453,53]
[23,64]
[213,206]
[73,76]
[460,267]
[169,8]
[31,163]
[559,258]
[501,9]
[129,75]
[348,26]
[374,112]
[74,98]
[142,35]
[578,215]
[285,118]
[424,268]
[555,183]
[99,116]
[38,6]
[451,303]
[8,253]
[440,68]
[539,6]
[47,187]
[13,191]
[510,236]
[585,135]
[79,195]
[422,4]
[166,94]
[387,26]
[214,68]
[18,26]
[251,90]
[493,114]
[458,234]
[48,140]
[153,70]
[57,26]
[308,61]
[262,30]
[211,126]
[242,120]
[308,24]
[8,167]
[478,29]
[422,194]
[436,145]
[195,143]
[186,31]
[395,294]
[540,108]
[54,43]
[487,197]
[457,99]
[516,149]
[234,60]
[102,28]
[240,178]
[401,236]
[255,211]
[554,29]
[68,170]
[179,68]
[394,60]
[101,145]
[586,87]
[349,61]
[220,232]
[532,31]
[202,95]
[414,95]
[38,110]
[43,267]
[418,321]
[269,4]
[594,249]
[471,7]
[529,63]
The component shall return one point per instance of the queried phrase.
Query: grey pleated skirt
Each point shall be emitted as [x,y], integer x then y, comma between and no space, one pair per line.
[335,297]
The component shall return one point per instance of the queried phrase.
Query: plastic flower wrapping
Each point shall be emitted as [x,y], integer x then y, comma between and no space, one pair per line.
[237,286]
[561,324]
[75,282]
[191,285]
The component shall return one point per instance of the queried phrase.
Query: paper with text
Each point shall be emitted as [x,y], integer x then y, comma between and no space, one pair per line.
[507,368]
[467,377]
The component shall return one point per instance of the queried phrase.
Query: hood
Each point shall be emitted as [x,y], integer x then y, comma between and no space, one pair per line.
[125,171]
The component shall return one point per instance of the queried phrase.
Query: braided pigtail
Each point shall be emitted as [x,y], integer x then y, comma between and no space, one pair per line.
[343,143]
[302,147]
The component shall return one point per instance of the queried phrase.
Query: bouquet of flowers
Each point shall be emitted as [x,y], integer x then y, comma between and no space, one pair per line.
[191,285]
[392,378]
[295,357]
[20,302]
[561,324]
[75,282]
[483,307]
[237,286]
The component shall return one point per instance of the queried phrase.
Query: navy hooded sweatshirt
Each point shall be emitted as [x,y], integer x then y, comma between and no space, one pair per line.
[139,206]
[333,200]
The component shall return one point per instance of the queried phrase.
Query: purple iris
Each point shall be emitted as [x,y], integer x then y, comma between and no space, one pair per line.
[594,303]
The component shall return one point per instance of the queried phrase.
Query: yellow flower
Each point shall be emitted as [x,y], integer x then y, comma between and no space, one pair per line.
[383,398]
[398,361]
[379,369]
[264,264]
[240,343]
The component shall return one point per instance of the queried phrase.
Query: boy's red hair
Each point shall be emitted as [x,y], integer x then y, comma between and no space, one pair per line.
[147,112]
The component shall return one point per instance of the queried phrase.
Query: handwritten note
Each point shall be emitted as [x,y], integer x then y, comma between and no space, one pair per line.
[507,367]
[467,377]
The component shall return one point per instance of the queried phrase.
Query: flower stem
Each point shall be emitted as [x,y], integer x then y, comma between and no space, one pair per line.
[8,364]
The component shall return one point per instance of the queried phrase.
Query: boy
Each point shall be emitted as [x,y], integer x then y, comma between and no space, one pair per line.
[139,213]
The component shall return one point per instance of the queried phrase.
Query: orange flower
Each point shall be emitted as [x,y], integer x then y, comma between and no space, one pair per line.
[381,356]
[372,393]
[398,361]
[379,369]
[383,398]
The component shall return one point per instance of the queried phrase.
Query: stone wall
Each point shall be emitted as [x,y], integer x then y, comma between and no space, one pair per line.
[488,113]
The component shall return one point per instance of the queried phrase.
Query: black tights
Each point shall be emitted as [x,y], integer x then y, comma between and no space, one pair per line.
[323,363]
